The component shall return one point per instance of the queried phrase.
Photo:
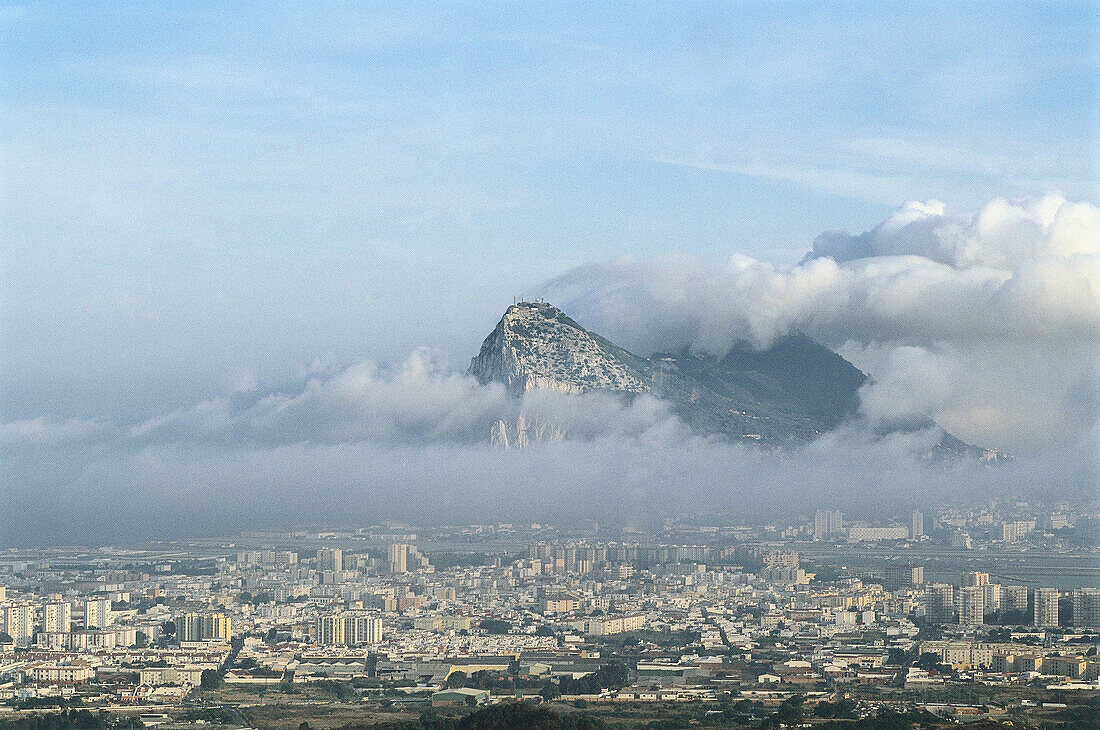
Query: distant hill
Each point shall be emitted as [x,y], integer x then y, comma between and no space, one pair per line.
[793,391]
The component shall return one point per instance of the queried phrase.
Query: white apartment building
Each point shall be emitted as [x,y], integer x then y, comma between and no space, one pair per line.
[827,522]
[204,627]
[1086,607]
[97,613]
[1013,531]
[973,578]
[362,629]
[1046,607]
[51,673]
[57,617]
[609,625]
[17,621]
[972,606]
[330,559]
[398,555]
[190,674]
[1014,598]
[992,597]
[916,527]
[331,630]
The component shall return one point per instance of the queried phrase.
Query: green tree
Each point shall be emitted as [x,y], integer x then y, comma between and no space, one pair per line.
[495,626]
[517,715]
[455,680]
[550,692]
[929,661]
[613,675]
[791,711]
[168,628]
[209,679]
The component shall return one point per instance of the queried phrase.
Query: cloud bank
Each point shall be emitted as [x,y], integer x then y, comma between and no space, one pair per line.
[990,325]
[370,443]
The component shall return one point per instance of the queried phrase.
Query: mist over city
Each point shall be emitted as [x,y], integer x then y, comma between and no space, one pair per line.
[565,366]
[988,326]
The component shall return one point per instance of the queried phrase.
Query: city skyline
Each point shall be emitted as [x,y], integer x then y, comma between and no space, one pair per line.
[395,622]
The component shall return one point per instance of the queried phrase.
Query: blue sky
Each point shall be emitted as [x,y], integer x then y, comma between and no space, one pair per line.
[196,197]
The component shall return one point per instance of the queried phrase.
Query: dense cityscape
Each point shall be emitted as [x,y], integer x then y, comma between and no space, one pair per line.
[986,612]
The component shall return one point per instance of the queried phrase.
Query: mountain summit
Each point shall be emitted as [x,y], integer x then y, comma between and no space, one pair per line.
[535,345]
[793,391]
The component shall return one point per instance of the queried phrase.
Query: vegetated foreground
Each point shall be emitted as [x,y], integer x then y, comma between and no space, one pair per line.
[275,712]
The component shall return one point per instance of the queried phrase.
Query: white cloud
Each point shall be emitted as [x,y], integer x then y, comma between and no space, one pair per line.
[992,322]
[42,431]
[369,443]
[189,487]
[989,325]
[1003,235]
[420,401]
[915,380]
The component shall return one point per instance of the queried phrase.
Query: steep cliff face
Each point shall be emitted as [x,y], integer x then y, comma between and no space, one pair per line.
[535,345]
[794,391]
[517,435]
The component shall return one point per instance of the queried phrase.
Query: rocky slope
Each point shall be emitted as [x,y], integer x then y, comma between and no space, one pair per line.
[793,391]
[536,346]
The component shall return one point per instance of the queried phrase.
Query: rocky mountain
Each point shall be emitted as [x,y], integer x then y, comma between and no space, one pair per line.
[793,391]
[536,345]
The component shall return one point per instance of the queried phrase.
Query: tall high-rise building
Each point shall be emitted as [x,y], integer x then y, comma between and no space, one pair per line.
[827,522]
[1046,607]
[916,526]
[17,621]
[189,627]
[204,627]
[1013,598]
[97,613]
[972,606]
[216,627]
[286,557]
[362,629]
[331,629]
[417,560]
[1014,531]
[399,558]
[330,559]
[992,597]
[939,603]
[539,551]
[1086,607]
[973,578]
[57,617]
[249,558]
[903,575]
